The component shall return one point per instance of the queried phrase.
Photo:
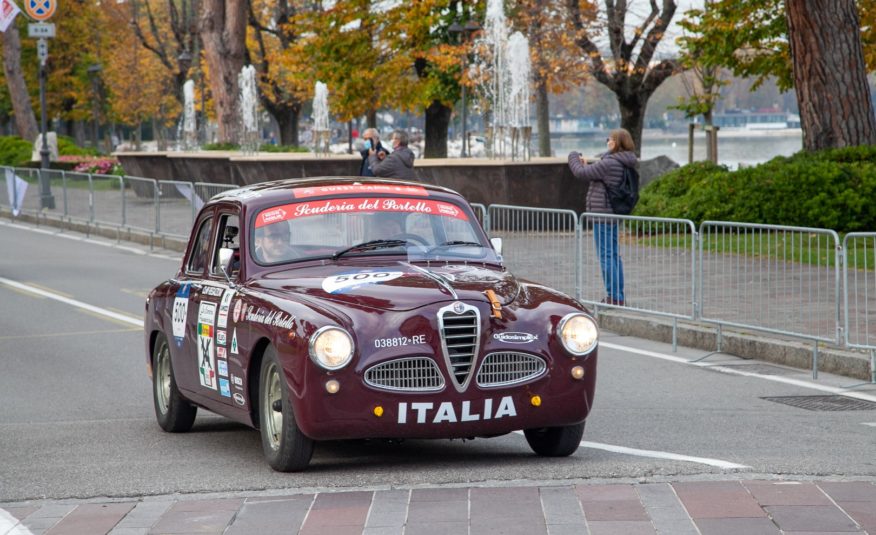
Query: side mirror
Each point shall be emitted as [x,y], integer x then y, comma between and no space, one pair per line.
[226,255]
[497,244]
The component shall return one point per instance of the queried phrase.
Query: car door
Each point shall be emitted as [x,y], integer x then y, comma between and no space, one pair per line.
[186,326]
[219,366]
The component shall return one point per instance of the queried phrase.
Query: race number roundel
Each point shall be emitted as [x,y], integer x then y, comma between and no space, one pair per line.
[40,9]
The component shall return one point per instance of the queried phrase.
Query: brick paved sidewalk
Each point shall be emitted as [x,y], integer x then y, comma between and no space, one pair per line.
[707,508]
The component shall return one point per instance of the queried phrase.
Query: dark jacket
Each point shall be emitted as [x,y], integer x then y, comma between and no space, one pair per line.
[365,168]
[398,164]
[609,169]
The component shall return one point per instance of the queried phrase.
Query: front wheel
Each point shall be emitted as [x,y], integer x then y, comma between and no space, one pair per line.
[174,414]
[555,441]
[285,446]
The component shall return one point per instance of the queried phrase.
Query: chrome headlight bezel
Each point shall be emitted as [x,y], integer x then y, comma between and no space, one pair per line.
[313,351]
[565,321]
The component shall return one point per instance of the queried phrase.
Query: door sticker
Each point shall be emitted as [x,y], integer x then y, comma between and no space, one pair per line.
[207,358]
[180,313]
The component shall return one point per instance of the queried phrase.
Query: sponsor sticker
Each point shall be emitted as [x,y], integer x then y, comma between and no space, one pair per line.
[221,353]
[207,358]
[303,193]
[224,388]
[234,341]
[224,307]
[515,338]
[213,291]
[359,204]
[206,313]
[220,338]
[180,313]
[239,399]
[350,281]
[277,318]
[448,412]
[223,365]
[236,381]
[238,309]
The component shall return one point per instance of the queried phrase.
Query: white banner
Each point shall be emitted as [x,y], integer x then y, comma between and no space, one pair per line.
[188,192]
[8,11]
[16,188]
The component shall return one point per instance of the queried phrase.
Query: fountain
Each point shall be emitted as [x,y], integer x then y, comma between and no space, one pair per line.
[249,110]
[504,66]
[321,131]
[188,131]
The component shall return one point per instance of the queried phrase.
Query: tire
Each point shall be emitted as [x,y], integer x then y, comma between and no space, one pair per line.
[174,414]
[285,447]
[555,441]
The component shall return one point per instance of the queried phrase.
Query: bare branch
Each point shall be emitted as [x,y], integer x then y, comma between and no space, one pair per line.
[588,46]
[649,46]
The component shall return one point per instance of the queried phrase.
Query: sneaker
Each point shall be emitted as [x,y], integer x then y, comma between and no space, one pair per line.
[611,301]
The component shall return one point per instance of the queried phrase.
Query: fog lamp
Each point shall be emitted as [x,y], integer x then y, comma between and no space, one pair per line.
[332,386]
[577,372]
[535,400]
[378,411]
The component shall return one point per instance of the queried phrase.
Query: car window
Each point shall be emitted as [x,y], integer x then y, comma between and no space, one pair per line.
[228,237]
[201,248]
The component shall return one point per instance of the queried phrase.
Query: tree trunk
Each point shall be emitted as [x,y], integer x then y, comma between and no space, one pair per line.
[25,120]
[223,32]
[288,123]
[543,116]
[632,110]
[437,123]
[372,118]
[830,77]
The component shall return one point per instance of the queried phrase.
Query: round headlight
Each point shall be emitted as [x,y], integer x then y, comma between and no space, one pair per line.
[578,333]
[331,348]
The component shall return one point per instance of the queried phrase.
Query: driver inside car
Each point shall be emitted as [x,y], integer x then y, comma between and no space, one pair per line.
[273,243]
[387,226]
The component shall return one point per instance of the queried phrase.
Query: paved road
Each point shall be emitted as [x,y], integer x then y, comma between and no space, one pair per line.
[77,419]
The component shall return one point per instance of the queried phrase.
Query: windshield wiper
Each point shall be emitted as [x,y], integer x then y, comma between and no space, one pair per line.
[369,246]
[453,243]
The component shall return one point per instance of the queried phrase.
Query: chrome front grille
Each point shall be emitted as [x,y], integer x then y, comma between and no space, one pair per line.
[460,339]
[411,374]
[506,368]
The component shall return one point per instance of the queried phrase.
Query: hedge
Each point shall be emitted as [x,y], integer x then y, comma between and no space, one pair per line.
[834,189]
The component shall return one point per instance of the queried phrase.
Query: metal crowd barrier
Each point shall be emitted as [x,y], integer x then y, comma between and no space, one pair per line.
[771,278]
[540,244]
[789,281]
[658,264]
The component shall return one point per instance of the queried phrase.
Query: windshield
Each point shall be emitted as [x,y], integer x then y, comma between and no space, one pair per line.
[421,229]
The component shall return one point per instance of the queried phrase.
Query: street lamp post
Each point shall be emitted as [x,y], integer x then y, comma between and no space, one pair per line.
[93,71]
[47,200]
[464,32]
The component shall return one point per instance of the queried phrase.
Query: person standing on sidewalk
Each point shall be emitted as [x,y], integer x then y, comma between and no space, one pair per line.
[607,171]
[398,164]
[372,143]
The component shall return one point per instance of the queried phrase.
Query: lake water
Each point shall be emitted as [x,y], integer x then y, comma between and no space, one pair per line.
[734,147]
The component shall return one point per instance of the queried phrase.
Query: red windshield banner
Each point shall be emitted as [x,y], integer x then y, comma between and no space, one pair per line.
[360,204]
[303,193]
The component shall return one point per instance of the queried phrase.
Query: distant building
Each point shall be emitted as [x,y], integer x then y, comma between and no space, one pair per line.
[756,120]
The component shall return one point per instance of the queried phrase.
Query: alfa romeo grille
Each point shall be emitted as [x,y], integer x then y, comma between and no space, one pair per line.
[502,369]
[460,338]
[412,374]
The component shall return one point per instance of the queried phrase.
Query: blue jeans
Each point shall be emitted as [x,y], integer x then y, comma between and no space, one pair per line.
[605,235]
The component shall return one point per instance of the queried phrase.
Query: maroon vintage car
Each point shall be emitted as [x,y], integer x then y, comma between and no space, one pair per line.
[340,308]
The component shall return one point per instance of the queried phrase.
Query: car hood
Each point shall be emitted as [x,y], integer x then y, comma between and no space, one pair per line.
[392,285]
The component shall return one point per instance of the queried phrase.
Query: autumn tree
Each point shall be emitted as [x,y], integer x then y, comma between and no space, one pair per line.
[168,29]
[630,69]
[222,27]
[811,45]
[25,121]
[274,45]
[556,64]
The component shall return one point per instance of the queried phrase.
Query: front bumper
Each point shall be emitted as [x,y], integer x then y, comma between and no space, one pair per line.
[357,410]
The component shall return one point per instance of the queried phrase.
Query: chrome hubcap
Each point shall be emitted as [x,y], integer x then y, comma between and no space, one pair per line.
[272,397]
[162,379]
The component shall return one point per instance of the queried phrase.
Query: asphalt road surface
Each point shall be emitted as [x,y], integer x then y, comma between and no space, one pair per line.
[76,416]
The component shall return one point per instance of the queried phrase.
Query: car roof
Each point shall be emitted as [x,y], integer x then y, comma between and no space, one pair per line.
[256,196]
